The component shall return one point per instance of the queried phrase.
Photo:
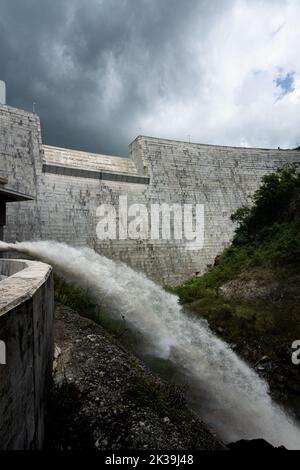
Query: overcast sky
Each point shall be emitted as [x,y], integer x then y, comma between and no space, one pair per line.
[103,71]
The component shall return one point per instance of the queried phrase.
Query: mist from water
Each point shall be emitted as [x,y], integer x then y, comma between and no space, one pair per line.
[231,398]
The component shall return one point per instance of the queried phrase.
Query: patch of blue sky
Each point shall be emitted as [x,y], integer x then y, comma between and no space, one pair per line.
[285,83]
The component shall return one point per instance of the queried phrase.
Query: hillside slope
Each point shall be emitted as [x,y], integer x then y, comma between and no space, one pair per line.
[251,295]
[104,398]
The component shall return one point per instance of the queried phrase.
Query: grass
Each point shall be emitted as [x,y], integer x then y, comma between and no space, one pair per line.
[74,298]
[245,320]
[166,399]
[81,301]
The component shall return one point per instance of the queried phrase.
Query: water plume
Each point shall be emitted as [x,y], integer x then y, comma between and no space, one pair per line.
[232,398]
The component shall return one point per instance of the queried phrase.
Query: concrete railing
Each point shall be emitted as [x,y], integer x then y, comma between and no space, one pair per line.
[26,338]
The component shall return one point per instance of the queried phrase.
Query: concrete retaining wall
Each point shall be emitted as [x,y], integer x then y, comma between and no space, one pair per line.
[26,329]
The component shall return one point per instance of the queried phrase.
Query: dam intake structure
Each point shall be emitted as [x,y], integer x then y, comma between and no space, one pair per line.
[26,352]
[226,393]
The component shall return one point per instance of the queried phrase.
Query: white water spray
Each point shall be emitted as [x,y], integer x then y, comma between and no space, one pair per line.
[232,399]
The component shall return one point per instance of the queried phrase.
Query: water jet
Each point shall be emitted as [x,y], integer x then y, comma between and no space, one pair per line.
[235,401]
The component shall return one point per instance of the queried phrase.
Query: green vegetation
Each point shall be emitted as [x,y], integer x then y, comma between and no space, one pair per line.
[166,399]
[266,243]
[81,302]
[74,298]
[267,235]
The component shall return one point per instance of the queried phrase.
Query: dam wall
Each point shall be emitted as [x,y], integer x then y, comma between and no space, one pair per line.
[70,185]
[26,334]
[220,178]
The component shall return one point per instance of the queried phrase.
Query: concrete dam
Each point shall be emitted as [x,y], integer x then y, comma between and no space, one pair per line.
[50,198]
[65,188]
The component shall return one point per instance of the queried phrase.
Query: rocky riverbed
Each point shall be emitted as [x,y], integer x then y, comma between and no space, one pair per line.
[105,398]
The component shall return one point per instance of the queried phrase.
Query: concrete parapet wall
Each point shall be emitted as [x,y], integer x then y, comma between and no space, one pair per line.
[88,161]
[26,329]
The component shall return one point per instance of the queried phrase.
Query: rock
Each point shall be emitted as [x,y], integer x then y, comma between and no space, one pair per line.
[254,444]
[92,338]
[57,354]
[57,351]
[250,285]
[262,360]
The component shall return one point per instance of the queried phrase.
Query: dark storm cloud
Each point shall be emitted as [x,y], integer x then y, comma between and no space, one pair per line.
[94,68]
[104,71]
